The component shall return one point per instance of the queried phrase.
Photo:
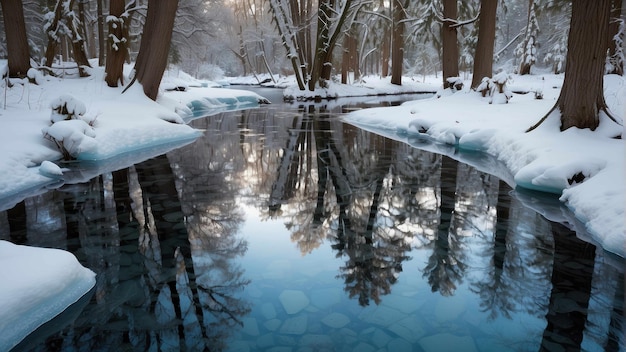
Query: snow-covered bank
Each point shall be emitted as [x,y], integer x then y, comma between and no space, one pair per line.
[544,160]
[366,86]
[121,124]
[37,285]
[114,131]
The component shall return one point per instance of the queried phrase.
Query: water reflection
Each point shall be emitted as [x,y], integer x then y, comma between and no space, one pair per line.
[426,251]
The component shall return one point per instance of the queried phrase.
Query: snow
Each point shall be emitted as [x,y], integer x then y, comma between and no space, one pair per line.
[115,130]
[543,160]
[37,285]
[105,125]
[93,123]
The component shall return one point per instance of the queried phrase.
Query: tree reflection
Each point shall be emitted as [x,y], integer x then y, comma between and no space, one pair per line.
[445,267]
[359,168]
[571,289]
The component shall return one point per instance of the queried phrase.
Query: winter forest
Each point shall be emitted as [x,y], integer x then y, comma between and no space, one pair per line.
[308,39]
[479,211]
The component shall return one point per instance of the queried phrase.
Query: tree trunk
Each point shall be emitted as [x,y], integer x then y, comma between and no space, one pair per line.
[63,10]
[582,95]
[397,43]
[450,64]
[16,40]
[349,60]
[155,45]
[53,35]
[118,40]
[614,24]
[483,59]
[385,53]
[78,43]
[101,41]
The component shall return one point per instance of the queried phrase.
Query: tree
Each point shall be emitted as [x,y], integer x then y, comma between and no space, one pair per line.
[450,44]
[483,59]
[582,97]
[617,27]
[118,43]
[397,44]
[101,41]
[333,17]
[16,40]
[527,49]
[155,45]
[63,20]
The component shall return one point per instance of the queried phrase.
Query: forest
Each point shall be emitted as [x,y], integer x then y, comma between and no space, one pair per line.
[363,37]
[318,41]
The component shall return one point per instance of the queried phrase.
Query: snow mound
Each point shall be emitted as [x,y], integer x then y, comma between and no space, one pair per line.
[48,168]
[37,285]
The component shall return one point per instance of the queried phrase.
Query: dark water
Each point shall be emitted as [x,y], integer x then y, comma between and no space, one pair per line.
[283,229]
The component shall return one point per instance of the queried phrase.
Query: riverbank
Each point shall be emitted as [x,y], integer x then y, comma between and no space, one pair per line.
[127,125]
[586,168]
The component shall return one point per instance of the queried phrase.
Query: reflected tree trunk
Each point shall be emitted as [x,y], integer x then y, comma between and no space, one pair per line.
[501,229]
[571,289]
[440,270]
[281,187]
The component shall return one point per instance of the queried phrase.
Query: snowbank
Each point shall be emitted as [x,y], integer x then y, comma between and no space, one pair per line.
[367,86]
[586,168]
[122,124]
[37,285]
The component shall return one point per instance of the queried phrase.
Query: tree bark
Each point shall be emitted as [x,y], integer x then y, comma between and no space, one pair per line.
[61,11]
[582,95]
[78,43]
[397,44]
[614,24]
[16,40]
[101,41]
[118,44]
[483,58]
[385,53]
[450,64]
[155,45]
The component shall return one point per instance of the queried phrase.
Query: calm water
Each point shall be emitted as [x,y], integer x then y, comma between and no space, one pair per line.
[283,229]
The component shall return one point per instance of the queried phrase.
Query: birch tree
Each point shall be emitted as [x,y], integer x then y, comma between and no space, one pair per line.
[333,17]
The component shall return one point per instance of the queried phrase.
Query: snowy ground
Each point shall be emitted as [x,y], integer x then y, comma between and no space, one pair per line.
[544,160]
